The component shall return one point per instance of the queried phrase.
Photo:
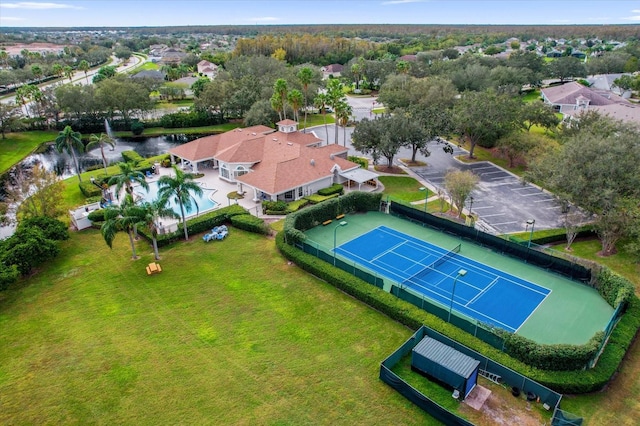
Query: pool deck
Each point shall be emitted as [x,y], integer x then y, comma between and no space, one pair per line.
[211,180]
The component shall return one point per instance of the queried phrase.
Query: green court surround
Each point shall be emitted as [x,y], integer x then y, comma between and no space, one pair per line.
[571,314]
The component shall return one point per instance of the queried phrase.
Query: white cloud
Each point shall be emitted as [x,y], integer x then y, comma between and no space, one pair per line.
[37,6]
[264,19]
[633,18]
[401,1]
[10,19]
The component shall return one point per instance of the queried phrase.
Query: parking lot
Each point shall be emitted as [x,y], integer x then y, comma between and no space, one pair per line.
[501,200]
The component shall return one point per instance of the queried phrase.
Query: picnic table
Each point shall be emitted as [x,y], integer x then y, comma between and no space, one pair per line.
[153,268]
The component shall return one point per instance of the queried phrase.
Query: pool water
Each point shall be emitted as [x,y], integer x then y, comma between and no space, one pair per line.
[204,201]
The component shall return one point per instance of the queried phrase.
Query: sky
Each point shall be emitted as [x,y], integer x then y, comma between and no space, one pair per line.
[144,13]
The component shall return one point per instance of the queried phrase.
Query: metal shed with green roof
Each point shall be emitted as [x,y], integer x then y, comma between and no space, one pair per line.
[445,364]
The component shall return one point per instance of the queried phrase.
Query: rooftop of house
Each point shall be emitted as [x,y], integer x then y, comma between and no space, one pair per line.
[568,94]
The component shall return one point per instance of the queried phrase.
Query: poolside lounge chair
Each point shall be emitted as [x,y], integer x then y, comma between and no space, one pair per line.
[222,235]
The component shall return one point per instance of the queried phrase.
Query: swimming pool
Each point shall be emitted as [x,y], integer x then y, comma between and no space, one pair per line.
[204,201]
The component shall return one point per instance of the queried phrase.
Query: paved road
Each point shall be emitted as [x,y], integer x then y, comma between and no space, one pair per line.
[80,78]
[503,203]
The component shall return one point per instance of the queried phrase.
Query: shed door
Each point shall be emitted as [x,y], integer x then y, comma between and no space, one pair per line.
[471,382]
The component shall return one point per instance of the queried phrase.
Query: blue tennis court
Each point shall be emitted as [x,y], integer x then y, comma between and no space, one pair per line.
[487,294]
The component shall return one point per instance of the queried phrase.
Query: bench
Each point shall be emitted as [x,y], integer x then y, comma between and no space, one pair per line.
[340,216]
[326,222]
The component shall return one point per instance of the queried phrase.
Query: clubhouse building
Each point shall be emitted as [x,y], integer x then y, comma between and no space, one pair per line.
[284,164]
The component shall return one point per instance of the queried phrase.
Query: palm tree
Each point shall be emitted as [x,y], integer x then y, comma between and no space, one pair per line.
[100,141]
[68,72]
[295,99]
[57,70]
[335,96]
[152,212]
[4,57]
[70,141]
[305,75]
[320,102]
[276,105]
[84,67]
[280,88]
[124,217]
[127,176]
[37,72]
[343,112]
[179,188]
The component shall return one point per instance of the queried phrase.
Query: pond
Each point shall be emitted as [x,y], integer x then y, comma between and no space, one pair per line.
[62,163]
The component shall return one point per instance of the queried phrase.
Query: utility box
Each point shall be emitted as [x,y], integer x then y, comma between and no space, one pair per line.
[446,364]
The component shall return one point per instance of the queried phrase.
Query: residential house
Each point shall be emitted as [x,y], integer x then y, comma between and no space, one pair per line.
[208,69]
[274,165]
[331,70]
[572,98]
[605,83]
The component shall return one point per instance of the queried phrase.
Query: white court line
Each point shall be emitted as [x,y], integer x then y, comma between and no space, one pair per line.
[491,284]
[529,316]
[387,251]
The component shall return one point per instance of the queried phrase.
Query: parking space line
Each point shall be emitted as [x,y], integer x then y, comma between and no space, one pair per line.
[492,215]
[503,223]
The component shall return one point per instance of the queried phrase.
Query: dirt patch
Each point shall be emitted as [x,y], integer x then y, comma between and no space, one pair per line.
[502,408]
[391,170]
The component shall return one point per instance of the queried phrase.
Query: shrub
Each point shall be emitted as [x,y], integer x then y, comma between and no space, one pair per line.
[131,157]
[52,229]
[28,248]
[137,127]
[89,189]
[250,223]
[333,189]
[8,275]
[316,198]
[614,288]
[364,163]
[294,206]
[96,216]
[278,207]
[194,118]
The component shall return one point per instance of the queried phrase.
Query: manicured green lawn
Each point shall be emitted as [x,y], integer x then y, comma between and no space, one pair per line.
[407,189]
[532,96]
[228,333]
[18,145]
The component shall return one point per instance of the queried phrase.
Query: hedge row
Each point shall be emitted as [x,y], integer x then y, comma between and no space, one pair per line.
[201,223]
[296,223]
[317,198]
[575,381]
[250,223]
[614,288]
[333,189]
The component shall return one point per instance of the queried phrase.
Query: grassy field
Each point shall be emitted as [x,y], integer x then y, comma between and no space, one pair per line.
[228,333]
[18,145]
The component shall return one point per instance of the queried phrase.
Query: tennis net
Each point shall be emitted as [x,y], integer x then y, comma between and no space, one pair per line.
[432,267]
